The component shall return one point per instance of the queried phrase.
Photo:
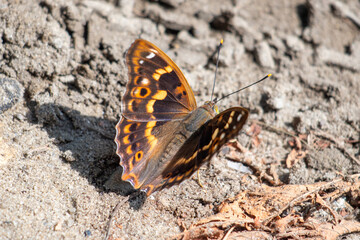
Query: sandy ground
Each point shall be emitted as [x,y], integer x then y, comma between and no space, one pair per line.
[62,76]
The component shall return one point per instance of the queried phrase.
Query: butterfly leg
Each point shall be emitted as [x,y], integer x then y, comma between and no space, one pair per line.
[198,179]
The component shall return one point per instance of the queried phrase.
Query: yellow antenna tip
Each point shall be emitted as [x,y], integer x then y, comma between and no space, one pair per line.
[269,75]
[221,41]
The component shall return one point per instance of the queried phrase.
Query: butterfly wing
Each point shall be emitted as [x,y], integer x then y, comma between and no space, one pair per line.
[139,145]
[199,148]
[157,89]
[156,93]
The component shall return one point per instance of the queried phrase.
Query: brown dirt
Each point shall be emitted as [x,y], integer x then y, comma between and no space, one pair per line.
[57,155]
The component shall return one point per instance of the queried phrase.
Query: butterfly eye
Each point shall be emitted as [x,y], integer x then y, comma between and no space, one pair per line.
[216,109]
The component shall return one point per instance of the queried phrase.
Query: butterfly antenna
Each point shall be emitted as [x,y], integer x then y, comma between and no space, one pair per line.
[267,76]
[217,65]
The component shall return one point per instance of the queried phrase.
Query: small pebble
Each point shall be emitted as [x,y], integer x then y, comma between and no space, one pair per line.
[58,227]
[11,92]
[87,233]
[68,156]
[294,43]
[263,55]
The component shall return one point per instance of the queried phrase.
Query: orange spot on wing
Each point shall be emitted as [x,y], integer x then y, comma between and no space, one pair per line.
[179,91]
[126,140]
[130,166]
[136,69]
[192,157]
[179,178]
[149,126]
[215,133]
[206,147]
[128,150]
[160,95]
[160,71]
[150,106]
[127,127]
[188,173]
[156,76]
[132,178]
[153,141]
[129,105]
[151,138]
[135,61]
[149,189]
[168,69]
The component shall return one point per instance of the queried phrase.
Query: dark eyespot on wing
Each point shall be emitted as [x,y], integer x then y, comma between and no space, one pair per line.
[133,127]
[133,146]
[179,96]
[143,91]
[132,137]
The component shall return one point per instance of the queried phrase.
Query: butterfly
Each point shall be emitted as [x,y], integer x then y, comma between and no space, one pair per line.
[162,137]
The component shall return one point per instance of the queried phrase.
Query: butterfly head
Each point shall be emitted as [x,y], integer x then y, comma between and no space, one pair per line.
[211,107]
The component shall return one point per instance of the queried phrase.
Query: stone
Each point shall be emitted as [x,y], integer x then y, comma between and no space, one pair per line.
[11,92]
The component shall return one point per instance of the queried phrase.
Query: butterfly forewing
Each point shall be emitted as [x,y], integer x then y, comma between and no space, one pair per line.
[157,90]
[156,93]
[199,148]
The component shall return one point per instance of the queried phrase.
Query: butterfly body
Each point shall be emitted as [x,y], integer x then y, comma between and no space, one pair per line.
[162,137]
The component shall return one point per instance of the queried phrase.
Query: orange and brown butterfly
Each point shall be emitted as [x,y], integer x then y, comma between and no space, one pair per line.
[163,137]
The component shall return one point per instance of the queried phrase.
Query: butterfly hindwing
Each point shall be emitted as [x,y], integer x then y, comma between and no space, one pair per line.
[200,147]
[157,89]
[135,141]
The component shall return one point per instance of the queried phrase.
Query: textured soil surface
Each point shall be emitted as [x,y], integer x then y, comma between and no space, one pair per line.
[62,76]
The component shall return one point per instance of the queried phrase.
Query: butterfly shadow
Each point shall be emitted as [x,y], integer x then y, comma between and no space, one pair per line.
[87,144]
